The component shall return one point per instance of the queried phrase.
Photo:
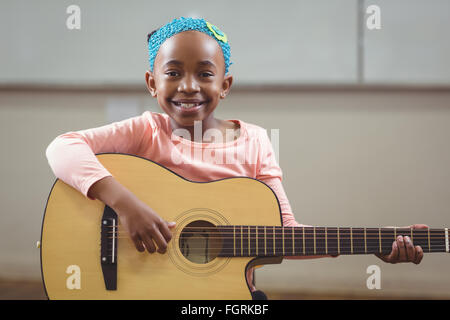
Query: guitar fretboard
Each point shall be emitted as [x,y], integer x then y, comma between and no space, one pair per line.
[249,241]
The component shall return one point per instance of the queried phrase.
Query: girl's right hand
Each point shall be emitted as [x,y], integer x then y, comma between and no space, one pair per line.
[145,227]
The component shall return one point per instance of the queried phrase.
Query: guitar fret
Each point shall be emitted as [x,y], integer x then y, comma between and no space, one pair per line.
[226,233]
[326,241]
[314,231]
[379,238]
[351,240]
[365,241]
[293,241]
[438,240]
[310,246]
[265,242]
[298,241]
[345,240]
[253,243]
[274,245]
[287,236]
[282,230]
[261,241]
[249,246]
[372,240]
[386,240]
[429,245]
[237,239]
[446,240]
[421,239]
[332,241]
[339,245]
[242,241]
[257,252]
[320,240]
[304,250]
[234,240]
[359,240]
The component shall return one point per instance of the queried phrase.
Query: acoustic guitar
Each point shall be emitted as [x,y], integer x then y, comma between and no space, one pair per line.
[223,228]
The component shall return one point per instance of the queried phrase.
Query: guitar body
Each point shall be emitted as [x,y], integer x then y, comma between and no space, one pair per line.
[71,236]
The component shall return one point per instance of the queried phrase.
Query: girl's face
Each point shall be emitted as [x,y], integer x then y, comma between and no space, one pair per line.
[189,68]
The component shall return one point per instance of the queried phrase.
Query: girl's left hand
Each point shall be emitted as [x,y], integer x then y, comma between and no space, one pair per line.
[403,250]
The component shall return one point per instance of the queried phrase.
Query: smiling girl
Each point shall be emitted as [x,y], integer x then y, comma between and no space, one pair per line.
[189,63]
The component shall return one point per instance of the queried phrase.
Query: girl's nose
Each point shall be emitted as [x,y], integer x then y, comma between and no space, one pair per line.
[189,84]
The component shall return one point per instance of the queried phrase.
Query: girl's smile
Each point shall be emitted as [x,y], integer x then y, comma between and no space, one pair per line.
[188,107]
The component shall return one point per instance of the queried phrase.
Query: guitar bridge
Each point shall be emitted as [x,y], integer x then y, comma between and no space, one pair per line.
[108,248]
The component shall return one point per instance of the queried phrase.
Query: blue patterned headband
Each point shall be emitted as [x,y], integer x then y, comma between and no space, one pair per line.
[183,24]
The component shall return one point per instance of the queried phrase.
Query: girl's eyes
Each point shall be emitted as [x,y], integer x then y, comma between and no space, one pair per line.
[203,74]
[171,73]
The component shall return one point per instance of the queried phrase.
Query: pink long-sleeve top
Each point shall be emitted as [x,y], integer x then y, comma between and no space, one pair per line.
[72,155]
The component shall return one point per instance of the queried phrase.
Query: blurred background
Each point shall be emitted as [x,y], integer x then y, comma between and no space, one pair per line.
[363,117]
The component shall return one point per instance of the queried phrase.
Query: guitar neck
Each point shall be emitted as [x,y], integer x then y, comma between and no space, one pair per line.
[249,241]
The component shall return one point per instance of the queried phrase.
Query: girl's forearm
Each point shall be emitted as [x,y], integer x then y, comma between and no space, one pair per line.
[109,191]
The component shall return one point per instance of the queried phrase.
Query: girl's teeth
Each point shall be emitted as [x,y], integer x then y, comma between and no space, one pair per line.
[188,105]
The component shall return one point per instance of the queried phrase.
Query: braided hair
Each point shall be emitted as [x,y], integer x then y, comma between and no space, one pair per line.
[150,35]
[156,38]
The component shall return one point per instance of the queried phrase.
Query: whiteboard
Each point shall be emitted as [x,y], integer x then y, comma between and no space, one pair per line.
[283,42]
[413,44]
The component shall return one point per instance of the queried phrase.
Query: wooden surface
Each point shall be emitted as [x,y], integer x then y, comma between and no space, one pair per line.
[34,290]
[22,290]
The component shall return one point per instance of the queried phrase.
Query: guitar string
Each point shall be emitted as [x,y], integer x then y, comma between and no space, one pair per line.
[323,249]
[288,241]
[311,228]
[287,236]
[439,247]
[329,247]
[332,246]
[301,248]
[423,241]
[278,251]
[368,234]
[296,233]
[289,231]
[353,233]
[289,248]
[318,246]
[345,235]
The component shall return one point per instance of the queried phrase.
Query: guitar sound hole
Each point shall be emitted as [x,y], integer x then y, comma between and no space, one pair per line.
[200,242]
